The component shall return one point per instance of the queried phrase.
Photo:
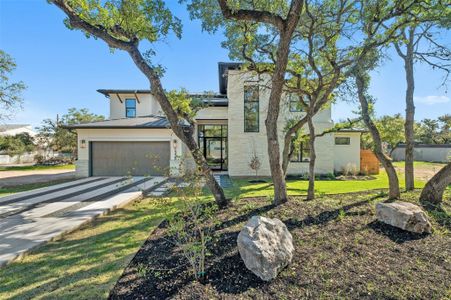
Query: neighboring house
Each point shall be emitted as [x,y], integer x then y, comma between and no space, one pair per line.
[424,152]
[137,140]
[13,129]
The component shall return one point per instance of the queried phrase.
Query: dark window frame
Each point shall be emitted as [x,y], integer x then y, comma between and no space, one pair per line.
[133,108]
[257,102]
[224,142]
[299,158]
[341,138]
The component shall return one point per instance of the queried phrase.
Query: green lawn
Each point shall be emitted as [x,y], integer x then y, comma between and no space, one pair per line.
[88,262]
[36,168]
[242,187]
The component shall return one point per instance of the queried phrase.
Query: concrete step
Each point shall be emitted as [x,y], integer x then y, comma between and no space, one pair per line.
[45,190]
[30,203]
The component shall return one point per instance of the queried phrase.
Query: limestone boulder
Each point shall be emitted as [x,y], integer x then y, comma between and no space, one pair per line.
[404,215]
[266,246]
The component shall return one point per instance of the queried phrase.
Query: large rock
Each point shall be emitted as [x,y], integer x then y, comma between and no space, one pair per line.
[404,215]
[266,246]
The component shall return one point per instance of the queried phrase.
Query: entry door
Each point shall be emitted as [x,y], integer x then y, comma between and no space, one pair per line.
[213,142]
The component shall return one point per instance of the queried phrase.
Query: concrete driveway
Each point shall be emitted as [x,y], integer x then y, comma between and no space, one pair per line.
[34,217]
[13,178]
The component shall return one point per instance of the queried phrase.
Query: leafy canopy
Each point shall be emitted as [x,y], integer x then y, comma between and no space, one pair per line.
[10,92]
[52,133]
[129,21]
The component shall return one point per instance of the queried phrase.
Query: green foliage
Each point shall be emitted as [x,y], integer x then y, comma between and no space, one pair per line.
[192,228]
[17,145]
[10,92]
[128,20]
[184,105]
[52,133]
[391,129]
[430,131]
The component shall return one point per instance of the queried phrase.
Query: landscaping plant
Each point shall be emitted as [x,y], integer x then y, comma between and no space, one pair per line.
[191,229]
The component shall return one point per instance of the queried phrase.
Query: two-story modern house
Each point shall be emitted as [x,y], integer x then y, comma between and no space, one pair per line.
[137,139]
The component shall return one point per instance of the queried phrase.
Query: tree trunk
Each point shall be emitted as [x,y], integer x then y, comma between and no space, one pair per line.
[410,113]
[285,28]
[277,84]
[132,48]
[432,192]
[378,151]
[311,179]
[181,132]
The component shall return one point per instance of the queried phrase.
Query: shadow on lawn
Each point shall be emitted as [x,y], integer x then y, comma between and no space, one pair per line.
[64,269]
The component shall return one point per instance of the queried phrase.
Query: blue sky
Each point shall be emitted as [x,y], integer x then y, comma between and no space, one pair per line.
[63,69]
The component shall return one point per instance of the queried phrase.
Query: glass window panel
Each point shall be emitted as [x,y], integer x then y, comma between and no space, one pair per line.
[130,108]
[342,140]
[130,103]
[301,152]
[251,108]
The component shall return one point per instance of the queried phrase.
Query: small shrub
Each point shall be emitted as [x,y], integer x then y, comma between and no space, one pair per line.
[350,169]
[192,229]
[255,163]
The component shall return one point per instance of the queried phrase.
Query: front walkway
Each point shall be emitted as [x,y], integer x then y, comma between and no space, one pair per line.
[31,218]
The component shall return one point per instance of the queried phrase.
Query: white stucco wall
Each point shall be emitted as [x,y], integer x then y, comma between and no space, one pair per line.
[432,154]
[147,105]
[90,135]
[213,113]
[242,144]
[347,154]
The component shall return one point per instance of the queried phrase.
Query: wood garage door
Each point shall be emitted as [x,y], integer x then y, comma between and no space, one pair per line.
[129,158]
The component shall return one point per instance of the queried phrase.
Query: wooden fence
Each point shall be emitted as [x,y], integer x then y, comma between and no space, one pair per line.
[368,162]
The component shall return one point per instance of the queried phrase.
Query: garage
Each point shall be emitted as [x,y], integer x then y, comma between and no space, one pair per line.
[129,158]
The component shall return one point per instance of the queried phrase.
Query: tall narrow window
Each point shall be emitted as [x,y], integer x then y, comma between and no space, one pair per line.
[301,152]
[130,108]
[251,108]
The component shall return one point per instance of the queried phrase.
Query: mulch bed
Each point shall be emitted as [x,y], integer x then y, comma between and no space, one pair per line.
[340,252]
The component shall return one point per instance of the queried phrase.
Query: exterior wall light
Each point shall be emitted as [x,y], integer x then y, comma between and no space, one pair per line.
[83,144]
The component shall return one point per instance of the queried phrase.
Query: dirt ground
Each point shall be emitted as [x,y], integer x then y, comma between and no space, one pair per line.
[14,178]
[422,171]
[341,252]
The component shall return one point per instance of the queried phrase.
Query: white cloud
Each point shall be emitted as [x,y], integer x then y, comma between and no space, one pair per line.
[430,100]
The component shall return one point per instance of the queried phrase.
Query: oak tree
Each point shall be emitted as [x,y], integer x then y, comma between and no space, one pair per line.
[124,25]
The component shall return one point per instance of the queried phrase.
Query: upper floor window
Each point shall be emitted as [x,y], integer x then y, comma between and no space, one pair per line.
[342,140]
[294,103]
[130,108]
[301,152]
[251,108]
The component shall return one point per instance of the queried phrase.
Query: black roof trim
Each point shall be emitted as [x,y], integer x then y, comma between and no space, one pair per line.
[210,99]
[223,67]
[107,92]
